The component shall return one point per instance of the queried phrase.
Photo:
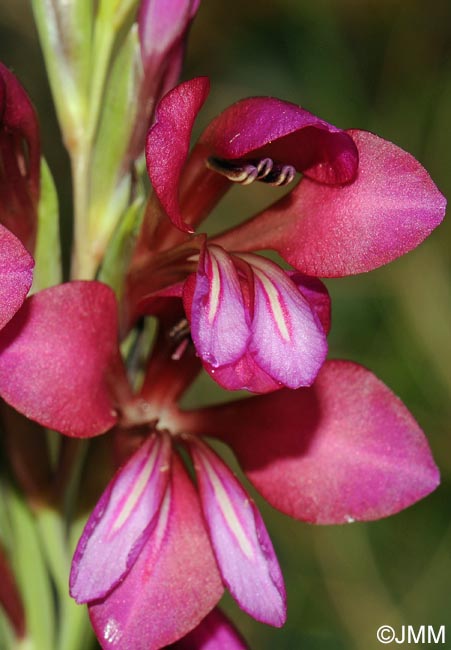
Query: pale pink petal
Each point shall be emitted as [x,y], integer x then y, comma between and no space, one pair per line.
[345,449]
[215,632]
[242,546]
[173,584]
[162,25]
[261,127]
[287,339]
[16,275]
[57,356]
[390,208]
[122,521]
[168,141]
[219,322]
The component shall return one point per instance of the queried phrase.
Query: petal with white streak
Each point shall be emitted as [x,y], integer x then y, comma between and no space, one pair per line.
[122,521]
[288,340]
[219,323]
[242,546]
[173,584]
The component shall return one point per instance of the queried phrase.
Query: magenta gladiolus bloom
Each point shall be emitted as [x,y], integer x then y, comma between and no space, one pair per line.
[361,203]
[345,449]
[328,443]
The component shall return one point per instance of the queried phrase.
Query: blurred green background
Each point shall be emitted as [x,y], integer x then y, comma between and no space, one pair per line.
[385,66]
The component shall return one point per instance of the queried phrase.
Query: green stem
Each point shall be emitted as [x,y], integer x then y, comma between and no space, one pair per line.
[32,575]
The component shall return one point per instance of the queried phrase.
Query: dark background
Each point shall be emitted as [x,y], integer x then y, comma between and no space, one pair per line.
[385,66]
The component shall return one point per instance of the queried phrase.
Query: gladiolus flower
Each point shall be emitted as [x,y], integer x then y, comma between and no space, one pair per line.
[331,445]
[362,202]
[344,449]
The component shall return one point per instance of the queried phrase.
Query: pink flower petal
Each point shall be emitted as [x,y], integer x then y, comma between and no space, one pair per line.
[162,25]
[16,275]
[56,357]
[287,339]
[345,449]
[389,209]
[168,141]
[20,157]
[215,632]
[316,294]
[242,546]
[228,327]
[122,521]
[219,323]
[258,127]
[173,584]
[244,374]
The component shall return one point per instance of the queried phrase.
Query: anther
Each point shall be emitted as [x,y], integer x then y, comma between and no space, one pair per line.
[242,173]
[246,172]
[280,175]
[180,336]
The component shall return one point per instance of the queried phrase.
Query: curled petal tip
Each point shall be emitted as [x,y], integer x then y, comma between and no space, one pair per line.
[168,141]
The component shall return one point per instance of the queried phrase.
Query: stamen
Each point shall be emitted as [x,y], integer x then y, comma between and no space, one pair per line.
[242,173]
[246,172]
[179,331]
[279,175]
[180,336]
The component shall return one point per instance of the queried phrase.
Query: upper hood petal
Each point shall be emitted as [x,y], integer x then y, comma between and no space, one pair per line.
[332,231]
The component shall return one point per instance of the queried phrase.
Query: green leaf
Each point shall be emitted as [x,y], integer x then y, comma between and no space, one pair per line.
[32,576]
[110,180]
[120,249]
[65,30]
[48,250]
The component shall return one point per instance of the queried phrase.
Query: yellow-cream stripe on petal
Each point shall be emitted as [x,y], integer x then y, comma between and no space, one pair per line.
[215,289]
[138,488]
[228,510]
[274,301]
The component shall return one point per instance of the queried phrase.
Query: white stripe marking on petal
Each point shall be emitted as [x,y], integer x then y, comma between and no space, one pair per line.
[228,511]
[215,289]
[275,305]
[138,488]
